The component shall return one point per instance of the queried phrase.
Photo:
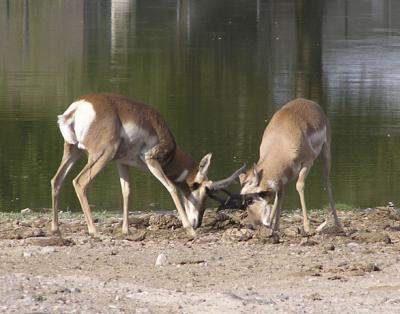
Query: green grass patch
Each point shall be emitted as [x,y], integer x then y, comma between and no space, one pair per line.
[342,207]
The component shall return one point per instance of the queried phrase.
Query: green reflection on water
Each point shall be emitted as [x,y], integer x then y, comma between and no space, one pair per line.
[216,70]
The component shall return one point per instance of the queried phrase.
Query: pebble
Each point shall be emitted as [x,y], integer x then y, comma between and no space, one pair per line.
[237,235]
[330,247]
[47,250]
[142,311]
[162,260]
[26,211]
[283,297]
[353,244]
[27,254]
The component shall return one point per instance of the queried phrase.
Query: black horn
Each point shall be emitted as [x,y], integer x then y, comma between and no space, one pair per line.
[222,184]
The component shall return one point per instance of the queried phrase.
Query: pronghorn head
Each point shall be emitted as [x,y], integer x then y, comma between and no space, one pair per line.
[260,201]
[200,187]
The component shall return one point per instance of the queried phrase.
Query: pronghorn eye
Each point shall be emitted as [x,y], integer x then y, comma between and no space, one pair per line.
[195,186]
[250,201]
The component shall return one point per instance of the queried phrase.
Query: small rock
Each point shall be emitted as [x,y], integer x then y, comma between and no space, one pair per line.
[142,310]
[27,254]
[307,242]
[338,277]
[48,250]
[283,297]
[263,233]
[234,234]
[372,237]
[328,227]
[48,241]
[162,260]
[164,221]
[352,244]
[342,264]
[369,267]
[330,247]
[137,235]
[387,240]
[215,219]
[26,211]
[189,285]
[291,232]
[315,297]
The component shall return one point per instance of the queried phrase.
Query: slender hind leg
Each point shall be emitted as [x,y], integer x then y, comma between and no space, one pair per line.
[326,159]
[70,156]
[300,184]
[123,171]
[94,165]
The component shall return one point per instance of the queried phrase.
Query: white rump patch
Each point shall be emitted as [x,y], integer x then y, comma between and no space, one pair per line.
[66,130]
[84,117]
[182,176]
[75,122]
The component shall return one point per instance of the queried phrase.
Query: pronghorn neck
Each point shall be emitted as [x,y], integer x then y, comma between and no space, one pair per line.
[181,169]
[272,175]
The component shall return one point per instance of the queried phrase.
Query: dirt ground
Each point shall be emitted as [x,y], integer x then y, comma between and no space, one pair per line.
[229,267]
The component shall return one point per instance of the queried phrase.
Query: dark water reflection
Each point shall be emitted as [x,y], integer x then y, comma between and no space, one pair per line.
[216,70]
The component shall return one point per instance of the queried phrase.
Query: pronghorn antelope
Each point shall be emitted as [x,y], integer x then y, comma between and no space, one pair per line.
[111,127]
[292,140]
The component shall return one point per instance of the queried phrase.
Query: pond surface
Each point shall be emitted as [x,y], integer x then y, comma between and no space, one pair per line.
[216,70]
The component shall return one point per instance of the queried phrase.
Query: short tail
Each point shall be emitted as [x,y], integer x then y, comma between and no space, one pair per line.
[66,125]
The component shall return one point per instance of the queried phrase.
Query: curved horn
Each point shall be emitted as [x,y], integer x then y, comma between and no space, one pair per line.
[222,184]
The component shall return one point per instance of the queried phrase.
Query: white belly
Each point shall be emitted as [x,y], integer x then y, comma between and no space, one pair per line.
[136,142]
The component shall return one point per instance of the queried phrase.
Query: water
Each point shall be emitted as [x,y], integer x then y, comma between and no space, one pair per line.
[216,70]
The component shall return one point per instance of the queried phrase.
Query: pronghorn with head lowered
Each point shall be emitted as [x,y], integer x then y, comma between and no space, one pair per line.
[296,135]
[112,127]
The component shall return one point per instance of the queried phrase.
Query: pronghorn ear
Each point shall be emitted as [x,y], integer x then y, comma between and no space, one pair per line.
[203,168]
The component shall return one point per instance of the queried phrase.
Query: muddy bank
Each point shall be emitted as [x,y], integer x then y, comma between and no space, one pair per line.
[229,267]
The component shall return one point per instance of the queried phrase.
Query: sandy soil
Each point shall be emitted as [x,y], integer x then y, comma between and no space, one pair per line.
[228,268]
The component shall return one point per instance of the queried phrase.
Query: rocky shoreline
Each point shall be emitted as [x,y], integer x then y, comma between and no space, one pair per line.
[228,267]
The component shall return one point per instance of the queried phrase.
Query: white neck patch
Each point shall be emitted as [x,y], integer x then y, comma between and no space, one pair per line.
[182,176]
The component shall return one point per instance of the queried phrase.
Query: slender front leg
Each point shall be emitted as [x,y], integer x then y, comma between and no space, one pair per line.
[278,210]
[272,213]
[123,171]
[300,189]
[70,156]
[156,169]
